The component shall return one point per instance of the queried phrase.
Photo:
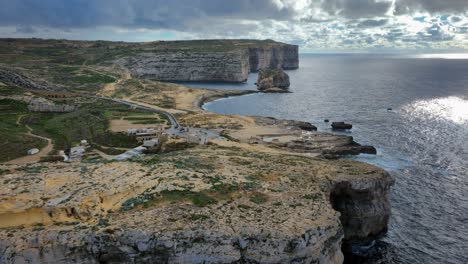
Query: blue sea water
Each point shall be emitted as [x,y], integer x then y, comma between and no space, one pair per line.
[422,141]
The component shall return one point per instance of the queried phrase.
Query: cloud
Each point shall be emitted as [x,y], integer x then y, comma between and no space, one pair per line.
[432,6]
[372,23]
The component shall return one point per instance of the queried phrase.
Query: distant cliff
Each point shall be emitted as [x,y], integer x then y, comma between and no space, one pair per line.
[284,56]
[211,61]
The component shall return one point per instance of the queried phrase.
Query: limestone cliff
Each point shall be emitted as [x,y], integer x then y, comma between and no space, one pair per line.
[285,57]
[212,206]
[232,66]
[230,61]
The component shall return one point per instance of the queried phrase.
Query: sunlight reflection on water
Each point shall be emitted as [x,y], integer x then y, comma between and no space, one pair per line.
[448,56]
[454,109]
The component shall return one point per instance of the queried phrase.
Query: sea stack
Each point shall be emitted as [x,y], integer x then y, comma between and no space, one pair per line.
[273,81]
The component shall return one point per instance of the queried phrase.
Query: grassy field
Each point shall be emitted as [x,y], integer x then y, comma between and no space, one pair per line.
[90,122]
[13,138]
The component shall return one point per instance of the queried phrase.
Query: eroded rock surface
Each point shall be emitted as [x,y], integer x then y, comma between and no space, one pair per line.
[214,205]
[14,78]
[232,66]
[230,61]
[273,80]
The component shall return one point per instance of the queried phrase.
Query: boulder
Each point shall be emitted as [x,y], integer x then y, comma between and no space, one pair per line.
[341,126]
[273,80]
[368,150]
[307,126]
[351,149]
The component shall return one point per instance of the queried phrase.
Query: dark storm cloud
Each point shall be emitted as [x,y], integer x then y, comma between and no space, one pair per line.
[178,14]
[172,14]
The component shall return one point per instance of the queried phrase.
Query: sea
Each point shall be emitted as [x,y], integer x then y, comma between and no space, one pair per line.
[414,110]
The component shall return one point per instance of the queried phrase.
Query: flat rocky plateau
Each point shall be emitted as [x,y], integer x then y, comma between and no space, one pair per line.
[205,204]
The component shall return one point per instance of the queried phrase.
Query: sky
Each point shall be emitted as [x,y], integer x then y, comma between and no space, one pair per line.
[315,25]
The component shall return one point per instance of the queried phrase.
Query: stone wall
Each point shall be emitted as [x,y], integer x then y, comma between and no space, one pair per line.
[44,105]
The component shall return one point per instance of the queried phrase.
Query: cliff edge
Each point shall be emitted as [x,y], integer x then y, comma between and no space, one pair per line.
[211,60]
[214,205]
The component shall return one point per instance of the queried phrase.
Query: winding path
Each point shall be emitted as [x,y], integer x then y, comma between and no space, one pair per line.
[32,158]
[169,116]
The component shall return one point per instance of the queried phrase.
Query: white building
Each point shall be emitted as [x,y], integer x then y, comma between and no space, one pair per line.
[151,143]
[130,154]
[33,151]
[197,139]
[76,153]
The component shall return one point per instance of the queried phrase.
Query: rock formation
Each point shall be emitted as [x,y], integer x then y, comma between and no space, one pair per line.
[285,57]
[14,78]
[39,104]
[118,213]
[364,207]
[232,66]
[273,80]
[226,62]
[341,126]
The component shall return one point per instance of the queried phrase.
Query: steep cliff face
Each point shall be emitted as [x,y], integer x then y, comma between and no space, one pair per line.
[130,213]
[232,66]
[195,246]
[285,57]
[232,63]
[364,207]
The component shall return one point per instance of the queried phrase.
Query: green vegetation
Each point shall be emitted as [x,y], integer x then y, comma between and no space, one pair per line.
[13,138]
[6,90]
[199,199]
[91,77]
[146,120]
[166,102]
[70,63]
[68,129]
[225,135]
[109,150]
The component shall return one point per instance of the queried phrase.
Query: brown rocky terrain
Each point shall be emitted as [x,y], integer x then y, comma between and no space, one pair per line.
[212,204]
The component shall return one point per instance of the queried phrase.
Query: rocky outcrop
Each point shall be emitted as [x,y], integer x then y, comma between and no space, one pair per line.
[352,148]
[14,78]
[285,57]
[39,104]
[290,124]
[364,207]
[273,80]
[118,213]
[341,126]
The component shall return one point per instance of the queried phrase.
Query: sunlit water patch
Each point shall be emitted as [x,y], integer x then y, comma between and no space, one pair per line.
[450,108]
